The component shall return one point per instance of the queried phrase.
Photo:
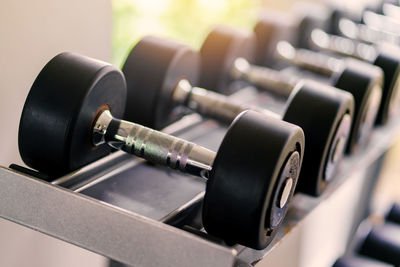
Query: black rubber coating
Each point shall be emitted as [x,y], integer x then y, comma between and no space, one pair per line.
[244,178]
[318,109]
[394,214]
[337,14]
[360,79]
[359,261]
[388,59]
[218,53]
[383,243]
[309,16]
[152,70]
[56,123]
[272,27]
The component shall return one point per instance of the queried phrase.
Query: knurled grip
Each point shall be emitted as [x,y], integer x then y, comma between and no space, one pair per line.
[156,147]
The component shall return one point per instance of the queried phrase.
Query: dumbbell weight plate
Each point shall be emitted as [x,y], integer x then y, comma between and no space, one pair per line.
[272,27]
[394,214]
[320,110]
[389,60]
[152,70]
[55,126]
[218,53]
[248,179]
[364,82]
[383,243]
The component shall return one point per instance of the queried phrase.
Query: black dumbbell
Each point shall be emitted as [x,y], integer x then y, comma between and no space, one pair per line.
[68,121]
[381,242]
[362,22]
[393,214]
[357,261]
[294,27]
[305,18]
[362,80]
[323,112]
[324,115]
[385,56]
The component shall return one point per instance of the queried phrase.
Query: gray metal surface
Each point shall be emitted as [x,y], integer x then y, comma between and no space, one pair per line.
[101,228]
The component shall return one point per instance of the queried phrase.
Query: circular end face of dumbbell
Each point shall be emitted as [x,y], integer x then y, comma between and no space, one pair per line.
[218,53]
[55,129]
[253,179]
[364,82]
[388,60]
[152,70]
[324,113]
[383,243]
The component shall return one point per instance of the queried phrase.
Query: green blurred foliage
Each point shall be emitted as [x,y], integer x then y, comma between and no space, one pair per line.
[186,20]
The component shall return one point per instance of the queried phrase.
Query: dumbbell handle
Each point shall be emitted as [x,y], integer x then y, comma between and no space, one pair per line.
[307,59]
[381,22]
[152,145]
[342,46]
[264,78]
[365,33]
[211,104]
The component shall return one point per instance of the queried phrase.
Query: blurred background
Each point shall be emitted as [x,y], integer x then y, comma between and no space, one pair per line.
[33,32]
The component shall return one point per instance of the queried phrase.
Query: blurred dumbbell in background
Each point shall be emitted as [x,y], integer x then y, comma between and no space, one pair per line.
[324,114]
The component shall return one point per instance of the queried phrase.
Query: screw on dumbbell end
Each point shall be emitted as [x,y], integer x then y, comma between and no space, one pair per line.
[264,78]
[307,59]
[343,46]
[381,22]
[365,33]
[211,104]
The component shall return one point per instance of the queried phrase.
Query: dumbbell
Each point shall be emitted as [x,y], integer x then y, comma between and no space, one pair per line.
[159,70]
[393,214]
[70,119]
[381,242]
[363,80]
[294,27]
[357,261]
[385,56]
[307,104]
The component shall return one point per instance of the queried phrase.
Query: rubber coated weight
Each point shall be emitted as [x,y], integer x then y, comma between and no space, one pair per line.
[152,70]
[324,113]
[394,214]
[388,60]
[272,27]
[383,243]
[240,201]
[364,82]
[309,16]
[357,261]
[55,127]
[218,53]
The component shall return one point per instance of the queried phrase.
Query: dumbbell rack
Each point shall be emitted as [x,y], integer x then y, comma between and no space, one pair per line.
[121,208]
